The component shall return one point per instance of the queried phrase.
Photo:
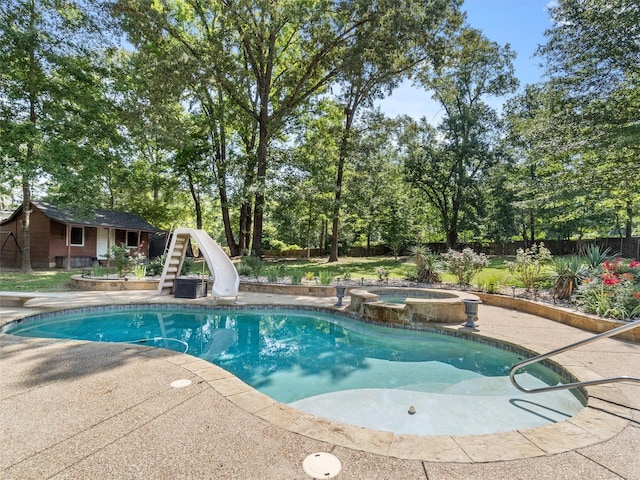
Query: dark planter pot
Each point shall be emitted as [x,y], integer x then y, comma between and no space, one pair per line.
[340,289]
[471,310]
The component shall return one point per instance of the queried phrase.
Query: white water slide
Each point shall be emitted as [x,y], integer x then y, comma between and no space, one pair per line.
[225,276]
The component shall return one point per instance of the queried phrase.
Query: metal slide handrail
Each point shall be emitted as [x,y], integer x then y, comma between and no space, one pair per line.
[565,386]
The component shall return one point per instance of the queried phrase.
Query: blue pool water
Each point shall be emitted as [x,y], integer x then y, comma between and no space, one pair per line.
[333,366]
[398,298]
[395,299]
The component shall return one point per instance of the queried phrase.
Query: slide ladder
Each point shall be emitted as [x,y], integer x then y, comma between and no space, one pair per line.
[225,276]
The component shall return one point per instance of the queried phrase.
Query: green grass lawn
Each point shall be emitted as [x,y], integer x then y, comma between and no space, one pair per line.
[50,280]
[58,279]
[366,267]
[359,267]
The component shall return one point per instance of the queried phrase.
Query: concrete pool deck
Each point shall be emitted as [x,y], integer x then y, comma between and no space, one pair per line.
[81,410]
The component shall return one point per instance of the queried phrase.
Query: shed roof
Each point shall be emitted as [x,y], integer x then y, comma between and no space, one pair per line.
[92,218]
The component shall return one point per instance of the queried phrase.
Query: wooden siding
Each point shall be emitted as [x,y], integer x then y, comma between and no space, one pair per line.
[10,256]
[39,239]
[49,240]
[58,245]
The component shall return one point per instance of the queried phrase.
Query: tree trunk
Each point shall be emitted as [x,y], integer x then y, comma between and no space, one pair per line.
[322,237]
[244,240]
[344,146]
[221,180]
[196,201]
[333,255]
[326,235]
[452,238]
[218,129]
[234,248]
[525,239]
[26,186]
[628,230]
[309,226]
[258,208]
[532,228]
[26,227]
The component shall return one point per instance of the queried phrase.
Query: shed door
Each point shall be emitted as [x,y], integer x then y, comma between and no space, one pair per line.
[102,244]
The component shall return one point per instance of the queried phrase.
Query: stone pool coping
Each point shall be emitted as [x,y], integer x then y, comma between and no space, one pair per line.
[605,416]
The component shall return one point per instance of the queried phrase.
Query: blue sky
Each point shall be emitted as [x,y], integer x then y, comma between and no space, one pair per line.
[521,23]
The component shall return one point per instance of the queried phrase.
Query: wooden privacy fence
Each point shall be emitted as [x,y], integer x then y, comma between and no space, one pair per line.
[625,247]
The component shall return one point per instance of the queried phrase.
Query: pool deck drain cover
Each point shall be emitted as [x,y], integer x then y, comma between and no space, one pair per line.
[321,465]
[183,382]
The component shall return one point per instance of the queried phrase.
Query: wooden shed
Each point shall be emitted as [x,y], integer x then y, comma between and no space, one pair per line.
[67,238]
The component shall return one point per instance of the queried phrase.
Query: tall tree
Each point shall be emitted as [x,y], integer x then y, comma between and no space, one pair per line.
[447,165]
[45,52]
[375,182]
[304,185]
[592,53]
[285,51]
[409,34]
[528,136]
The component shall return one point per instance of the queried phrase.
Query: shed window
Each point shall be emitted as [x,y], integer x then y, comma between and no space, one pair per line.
[132,239]
[76,237]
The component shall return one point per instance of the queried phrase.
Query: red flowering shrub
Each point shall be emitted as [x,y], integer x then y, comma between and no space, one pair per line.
[613,291]
[610,278]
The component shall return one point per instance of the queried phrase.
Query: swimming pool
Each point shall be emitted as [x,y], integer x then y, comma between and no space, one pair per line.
[335,366]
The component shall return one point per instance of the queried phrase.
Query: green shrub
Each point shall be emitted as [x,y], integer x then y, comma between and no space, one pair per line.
[281,269]
[411,274]
[140,271]
[326,277]
[296,276]
[155,266]
[383,274]
[345,273]
[430,272]
[418,253]
[98,271]
[427,263]
[254,264]
[118,253]
[568,273]
[528,265]
[491,284]
[464,265]
[277,245]
[595,256]
[243,268]
[272,275]
[621,302]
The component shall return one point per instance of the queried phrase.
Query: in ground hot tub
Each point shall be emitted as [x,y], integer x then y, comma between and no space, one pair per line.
[410,305]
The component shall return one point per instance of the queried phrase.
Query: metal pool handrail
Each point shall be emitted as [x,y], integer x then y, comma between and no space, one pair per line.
[565,386]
